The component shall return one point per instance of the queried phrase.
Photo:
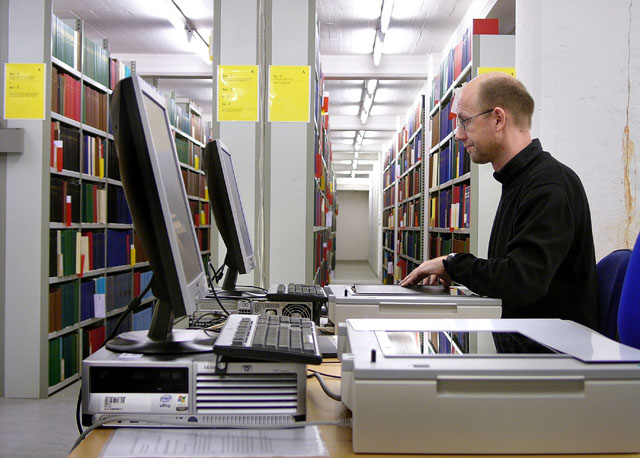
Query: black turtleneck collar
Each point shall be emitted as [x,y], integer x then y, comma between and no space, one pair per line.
[518,163]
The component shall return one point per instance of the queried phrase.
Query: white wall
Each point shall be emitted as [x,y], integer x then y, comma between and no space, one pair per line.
[581,62]
[352,226]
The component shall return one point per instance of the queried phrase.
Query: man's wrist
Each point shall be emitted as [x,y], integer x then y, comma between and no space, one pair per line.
[447,261]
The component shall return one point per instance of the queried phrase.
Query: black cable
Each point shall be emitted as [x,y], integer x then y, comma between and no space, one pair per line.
[314,372]
[253,287]
[131,306]
[193,324]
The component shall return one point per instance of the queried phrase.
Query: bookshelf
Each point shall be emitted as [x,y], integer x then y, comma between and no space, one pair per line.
[96,263]
[190,135]
[403,195]
[324,189]
[462,196]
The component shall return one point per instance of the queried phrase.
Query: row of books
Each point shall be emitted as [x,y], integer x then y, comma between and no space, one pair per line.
[409,244]
[403,268]
[409,185]
[195,183]
[95,62]
[63,305]
[413,124]
[72,252]
[389,218]
[113,168]
[92,339]
[179,115]
[200,213]
[389,156]
[65,94]
[452,162]
[64,42]
[203,239]
[451,208]
[117,71]
[388,197]
[117,208]
[409,214]
[95,108]
[93,155]
[443,244]
[119,244]
[63,358]
[65,147]
[322,246]
[455,60]
[387,267]
[94,204]
[188,152]
[411,155]
[321,210]
[388,239]
[389,175]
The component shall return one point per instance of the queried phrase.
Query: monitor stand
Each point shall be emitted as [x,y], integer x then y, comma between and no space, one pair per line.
[161,338]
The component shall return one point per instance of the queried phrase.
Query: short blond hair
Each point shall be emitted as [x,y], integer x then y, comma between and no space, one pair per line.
[504,91]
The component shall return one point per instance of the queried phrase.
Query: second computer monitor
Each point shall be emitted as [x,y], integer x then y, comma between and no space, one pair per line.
[228,212]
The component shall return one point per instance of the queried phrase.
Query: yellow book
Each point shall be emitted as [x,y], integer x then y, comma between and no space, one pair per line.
[133,255]
[202,218]
[196,163]
[101,167]
[206,193]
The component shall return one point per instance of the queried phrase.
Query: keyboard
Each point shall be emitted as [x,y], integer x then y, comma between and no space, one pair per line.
[269,338]
[296,292]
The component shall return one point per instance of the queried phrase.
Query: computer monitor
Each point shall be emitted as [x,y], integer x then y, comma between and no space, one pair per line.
[152,181]
[228,213]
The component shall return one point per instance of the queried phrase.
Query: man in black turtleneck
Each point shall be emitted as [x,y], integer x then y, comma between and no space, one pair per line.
[541,259]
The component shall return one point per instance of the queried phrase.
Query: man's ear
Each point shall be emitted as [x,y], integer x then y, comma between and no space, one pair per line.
[500,118]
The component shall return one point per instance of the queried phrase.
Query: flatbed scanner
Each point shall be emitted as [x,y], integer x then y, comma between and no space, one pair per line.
[395,301]
[488,386]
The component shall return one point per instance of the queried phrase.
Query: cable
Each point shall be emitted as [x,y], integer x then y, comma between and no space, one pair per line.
[215,273]
[131,418]
[326,389]
[131,306]
[253,287]
[194,323]
[313,372]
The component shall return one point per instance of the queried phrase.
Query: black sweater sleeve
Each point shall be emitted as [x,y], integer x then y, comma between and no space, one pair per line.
[541,236]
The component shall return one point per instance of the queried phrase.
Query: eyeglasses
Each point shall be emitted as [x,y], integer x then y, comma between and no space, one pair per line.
[462,126]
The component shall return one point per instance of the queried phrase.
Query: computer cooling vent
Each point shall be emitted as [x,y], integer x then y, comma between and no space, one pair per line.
[296,310]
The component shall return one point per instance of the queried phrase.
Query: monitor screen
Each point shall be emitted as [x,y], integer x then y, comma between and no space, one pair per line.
[228,213]
[152,181]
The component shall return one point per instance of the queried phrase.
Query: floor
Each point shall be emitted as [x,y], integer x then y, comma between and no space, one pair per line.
[46,428]
[39,428]
[350,272]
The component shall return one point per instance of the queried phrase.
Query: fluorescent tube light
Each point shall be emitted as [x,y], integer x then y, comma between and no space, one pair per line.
[371,86]
[377,48]
[385,16]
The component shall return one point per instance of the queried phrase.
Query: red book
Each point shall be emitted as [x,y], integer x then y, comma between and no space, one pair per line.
[67,208]
[53,130]
[81,265]
[485,26]
[318,166]
[136,284]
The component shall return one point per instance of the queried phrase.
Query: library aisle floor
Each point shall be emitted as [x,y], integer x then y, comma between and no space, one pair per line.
[39,428]
[350,272]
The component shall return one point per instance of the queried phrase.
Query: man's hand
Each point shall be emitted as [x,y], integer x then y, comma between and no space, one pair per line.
[432,270]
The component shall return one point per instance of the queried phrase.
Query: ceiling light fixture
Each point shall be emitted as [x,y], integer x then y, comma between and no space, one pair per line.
[385,15]
[353,174]
[371,86]
[364,115]
[180,21]
[355,154]
[377,48]
[355,164]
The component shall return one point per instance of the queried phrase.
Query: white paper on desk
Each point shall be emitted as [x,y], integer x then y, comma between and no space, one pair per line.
[200,443]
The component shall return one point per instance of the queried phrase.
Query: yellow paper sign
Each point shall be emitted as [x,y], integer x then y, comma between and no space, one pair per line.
[24,91]
[289,93]
[508,70]
[238,93]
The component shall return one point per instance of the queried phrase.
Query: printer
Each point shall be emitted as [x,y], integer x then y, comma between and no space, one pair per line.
[488,386]
[395,301]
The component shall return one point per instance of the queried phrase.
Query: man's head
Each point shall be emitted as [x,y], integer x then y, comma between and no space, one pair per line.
[494,117]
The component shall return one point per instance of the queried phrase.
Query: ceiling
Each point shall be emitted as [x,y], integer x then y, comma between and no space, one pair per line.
[141,31]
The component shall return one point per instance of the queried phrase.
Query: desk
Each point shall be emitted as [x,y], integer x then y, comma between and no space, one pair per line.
[337,440]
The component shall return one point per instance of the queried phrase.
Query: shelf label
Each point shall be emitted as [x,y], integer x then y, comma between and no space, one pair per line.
[508,70]
[289,93]
[238,93]
[24,91]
